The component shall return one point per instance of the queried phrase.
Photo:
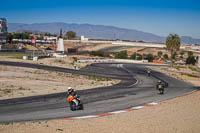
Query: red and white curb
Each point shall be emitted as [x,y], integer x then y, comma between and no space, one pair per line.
[110,113]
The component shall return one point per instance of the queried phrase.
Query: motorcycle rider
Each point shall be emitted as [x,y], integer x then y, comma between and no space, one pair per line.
[72,92]
[148,72]
[160,85]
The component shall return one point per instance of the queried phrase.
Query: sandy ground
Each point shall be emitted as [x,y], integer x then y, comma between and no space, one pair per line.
[22,82]
[183,73]
[67,62]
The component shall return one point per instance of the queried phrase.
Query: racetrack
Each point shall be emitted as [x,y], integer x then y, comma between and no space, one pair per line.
[135,89]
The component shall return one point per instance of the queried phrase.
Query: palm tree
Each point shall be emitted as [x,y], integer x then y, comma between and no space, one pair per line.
[173,44]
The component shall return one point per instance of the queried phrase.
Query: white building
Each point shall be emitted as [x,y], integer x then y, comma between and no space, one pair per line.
[83,38]
[50,38]
[60,46]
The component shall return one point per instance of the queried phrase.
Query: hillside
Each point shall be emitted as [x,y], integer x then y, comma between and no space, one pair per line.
[95,31]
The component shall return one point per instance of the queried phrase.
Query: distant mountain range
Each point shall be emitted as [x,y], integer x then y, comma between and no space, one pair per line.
[95,32]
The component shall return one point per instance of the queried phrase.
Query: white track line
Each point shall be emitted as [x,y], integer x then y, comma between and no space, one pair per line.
[122,66]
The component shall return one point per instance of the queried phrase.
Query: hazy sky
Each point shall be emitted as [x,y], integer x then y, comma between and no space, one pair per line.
[160,17]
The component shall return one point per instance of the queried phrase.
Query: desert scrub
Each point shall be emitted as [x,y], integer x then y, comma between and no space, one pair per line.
[6,91]
[21,88]
[193,76]
[194,68]
[15,55]
[178,67]
[59,61]
[96,78]
[74,59]
[190,75]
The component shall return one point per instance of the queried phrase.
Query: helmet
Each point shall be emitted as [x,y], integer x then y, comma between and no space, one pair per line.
[70,89]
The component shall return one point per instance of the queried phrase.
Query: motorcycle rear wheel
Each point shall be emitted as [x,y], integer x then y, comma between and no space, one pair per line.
[72,106]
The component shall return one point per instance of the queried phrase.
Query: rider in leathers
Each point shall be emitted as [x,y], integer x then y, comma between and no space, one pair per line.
[72,92]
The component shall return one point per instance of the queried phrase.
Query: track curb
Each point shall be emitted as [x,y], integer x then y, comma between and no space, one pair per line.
[120,111]
[110,113]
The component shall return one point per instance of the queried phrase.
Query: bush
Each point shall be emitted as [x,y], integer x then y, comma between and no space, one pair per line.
[121,55]
[182,53]
[191,60]
[96,53]
[74,59]
[177,67]
[149,57]
[194,69]
[190,53]
[133,56]
[139,57]
[165,56]
[159,54]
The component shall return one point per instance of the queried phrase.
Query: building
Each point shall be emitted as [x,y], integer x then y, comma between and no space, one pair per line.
[83,38]
[3,30]
[50,38]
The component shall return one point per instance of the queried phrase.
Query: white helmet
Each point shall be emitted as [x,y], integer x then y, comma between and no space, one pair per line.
[69,88]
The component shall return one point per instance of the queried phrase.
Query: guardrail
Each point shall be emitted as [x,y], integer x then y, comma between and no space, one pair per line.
[112,60]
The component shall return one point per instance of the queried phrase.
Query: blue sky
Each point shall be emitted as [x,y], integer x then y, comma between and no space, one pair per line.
[160,17]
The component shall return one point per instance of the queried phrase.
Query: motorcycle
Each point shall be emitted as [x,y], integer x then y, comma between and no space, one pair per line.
[161,90]
[75,102]
[148,73]
[160,87]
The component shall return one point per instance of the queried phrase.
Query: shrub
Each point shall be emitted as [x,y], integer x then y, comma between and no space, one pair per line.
[121,55]
[159,54]
[190,53]
[176,67]
[96,78]
[182,53]
[139,57]
[96,53]
[75,59]
[133,56]
[194,69]
[191,60]
[165,56]
[149,57]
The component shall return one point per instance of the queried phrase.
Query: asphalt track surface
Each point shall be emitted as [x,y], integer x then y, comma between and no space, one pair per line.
[135,89]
